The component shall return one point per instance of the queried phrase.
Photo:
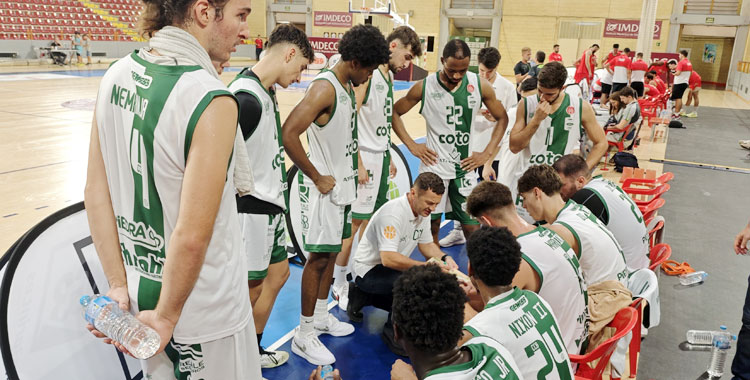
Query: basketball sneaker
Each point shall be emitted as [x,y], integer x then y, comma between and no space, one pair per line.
[745,144]
[692,114]
[333,327]
[312,349]
[341,294]
[455,237]
[273,359]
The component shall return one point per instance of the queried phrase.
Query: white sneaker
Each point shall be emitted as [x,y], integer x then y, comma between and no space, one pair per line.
[745,144]
[334,327]
[455,237]
[273,359]
[311,349]
[341,294]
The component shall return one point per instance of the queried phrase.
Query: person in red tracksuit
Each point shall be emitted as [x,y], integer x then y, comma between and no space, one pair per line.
[694,84]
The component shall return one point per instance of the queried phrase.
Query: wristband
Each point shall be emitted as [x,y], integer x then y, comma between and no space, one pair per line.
[443,258]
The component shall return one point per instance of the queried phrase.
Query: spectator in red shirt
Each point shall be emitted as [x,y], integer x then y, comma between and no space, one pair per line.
[694,83]
[649,88]
[555,55]
[637,72]
[681,79]
[620,70]
[614,53]
[258,47]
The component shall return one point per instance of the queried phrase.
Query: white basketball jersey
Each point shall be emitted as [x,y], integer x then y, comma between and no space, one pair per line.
[558,134]
[561,282]
[449,116]
[524,324]
[489,361]
[146,114]
[511,167]
[333,146]
[625,222]
[264,144]
[600,255]
[374,116]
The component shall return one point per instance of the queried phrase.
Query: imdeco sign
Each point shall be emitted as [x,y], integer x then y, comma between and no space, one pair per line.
[336,19]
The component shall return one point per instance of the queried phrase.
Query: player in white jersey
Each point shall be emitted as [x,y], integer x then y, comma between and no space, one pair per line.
[551,124]
[160,194]
[598,252]
[549,267]
[505,92]
[432,343]
[328,178]
[609,203]
[519,319]
[375,107]
[262,211]
[450,100]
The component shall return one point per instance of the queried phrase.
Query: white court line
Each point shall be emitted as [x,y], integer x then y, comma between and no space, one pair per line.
[290,334]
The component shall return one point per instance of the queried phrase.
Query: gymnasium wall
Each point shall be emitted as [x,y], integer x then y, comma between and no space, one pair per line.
[710,72]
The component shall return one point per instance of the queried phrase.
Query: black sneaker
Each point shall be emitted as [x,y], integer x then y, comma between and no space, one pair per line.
[388,339]
[357,300]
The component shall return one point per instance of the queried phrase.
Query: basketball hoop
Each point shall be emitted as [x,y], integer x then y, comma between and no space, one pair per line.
[365,11]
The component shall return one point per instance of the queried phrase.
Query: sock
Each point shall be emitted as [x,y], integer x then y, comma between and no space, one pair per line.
[339,275]
[306,326]
[321,312]
[260,349]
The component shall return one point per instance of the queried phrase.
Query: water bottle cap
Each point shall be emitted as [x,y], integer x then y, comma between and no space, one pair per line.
[84,300]
[722,327]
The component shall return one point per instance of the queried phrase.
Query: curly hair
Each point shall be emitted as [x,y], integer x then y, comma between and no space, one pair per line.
[489,57]
[157,14]
[428,308]
[408,37]
[364,44]
[542,176]
[288,33]
[487,197]
[494,255]
[552,75]
[571,165]
[457,49]
[430,181]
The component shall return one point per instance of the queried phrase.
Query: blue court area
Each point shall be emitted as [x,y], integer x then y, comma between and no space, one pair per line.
[362,355]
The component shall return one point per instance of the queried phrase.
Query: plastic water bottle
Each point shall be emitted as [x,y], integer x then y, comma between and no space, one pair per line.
[105,314]
[702,336]
[720,347]
[327,372]
[693,278]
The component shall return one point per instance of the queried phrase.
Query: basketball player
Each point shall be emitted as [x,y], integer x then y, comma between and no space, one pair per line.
[597,249]
[695,87]
[432,343]
[638,69]
[516,318]
[548,266]
[450,100]
[586,65]
[620,70]
[328,178]
[160,194]
[550,125]
[555,55]
[615,209]
[375,102]
[262,212]
[681,82]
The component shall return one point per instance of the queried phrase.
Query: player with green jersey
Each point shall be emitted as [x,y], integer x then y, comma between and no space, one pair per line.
[610,204]
[262,211]
[552,124]
[432,343]
[328,179]
[160,192]
[519,319]
[375,108]
[451,99]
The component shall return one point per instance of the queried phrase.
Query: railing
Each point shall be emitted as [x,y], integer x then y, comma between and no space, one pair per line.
[473,4]
[712,7]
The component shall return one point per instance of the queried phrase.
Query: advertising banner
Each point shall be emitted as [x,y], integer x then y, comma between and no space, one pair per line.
[627,29]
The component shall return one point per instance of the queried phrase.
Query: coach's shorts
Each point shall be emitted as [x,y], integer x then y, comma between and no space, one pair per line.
[265,242]
[232,357]
[374,193]
[618,86]
[695,86]
[606,88]
[678,90]
[453,202]
[324,224]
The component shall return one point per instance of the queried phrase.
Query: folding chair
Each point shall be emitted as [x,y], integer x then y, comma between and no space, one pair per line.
[623,323]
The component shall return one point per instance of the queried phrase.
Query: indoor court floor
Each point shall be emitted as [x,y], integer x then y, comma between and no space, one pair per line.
[45,121]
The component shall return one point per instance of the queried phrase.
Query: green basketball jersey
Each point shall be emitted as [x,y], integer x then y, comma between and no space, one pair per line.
[489,361]
[449,115]
[558,134]
[146,113]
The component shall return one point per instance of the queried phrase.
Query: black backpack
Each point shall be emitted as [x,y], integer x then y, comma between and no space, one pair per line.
[623,159]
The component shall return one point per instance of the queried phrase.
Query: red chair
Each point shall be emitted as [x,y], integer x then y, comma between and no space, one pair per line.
[635,341]
[654,234]
[651,208]
[662,179]
[623,323]
[659,254]
[643,197]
